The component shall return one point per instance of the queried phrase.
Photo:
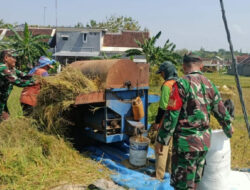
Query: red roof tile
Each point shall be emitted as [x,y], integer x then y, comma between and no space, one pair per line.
[245,61]
[242,58]
[38,31]
[124,39]
[34,31]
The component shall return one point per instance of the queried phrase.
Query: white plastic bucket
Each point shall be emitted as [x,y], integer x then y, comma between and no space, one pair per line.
[138,151]
[218,163]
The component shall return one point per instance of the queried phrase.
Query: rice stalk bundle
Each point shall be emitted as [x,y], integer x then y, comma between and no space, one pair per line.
[57,96]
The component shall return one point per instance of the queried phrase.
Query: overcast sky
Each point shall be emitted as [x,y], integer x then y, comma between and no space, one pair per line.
[190,24]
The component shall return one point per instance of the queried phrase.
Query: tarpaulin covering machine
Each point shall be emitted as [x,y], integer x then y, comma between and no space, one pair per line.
[107,114]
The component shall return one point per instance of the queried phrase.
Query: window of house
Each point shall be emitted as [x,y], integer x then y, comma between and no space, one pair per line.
[84,37]
[65,37]
[93,33]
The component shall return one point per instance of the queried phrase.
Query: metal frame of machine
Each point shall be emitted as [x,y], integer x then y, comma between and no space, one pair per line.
[111,119]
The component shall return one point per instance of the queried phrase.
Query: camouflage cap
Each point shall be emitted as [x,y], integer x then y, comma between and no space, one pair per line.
[12,52]
[8,53]
[191,57]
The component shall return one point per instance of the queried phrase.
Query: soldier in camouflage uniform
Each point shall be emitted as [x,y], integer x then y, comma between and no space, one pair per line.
[10,76]
[189,124]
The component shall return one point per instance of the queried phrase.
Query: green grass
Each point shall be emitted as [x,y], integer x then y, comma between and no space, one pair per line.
[240,143]
[224,79]
[32,160]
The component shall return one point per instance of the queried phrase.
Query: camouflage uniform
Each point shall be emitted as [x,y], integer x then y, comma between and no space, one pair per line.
[189,127]
[8,78]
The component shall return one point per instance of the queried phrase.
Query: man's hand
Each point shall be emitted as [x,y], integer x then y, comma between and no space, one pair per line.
[232,129]
[4,116]
[155,126]
[37,82]
[158,148]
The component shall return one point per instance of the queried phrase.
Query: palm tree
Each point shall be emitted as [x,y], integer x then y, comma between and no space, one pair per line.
[155,55]
[28,47]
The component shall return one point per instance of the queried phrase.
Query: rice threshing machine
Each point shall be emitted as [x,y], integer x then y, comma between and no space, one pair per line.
[111,114]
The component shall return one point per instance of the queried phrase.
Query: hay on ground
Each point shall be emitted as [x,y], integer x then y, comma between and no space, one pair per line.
[30,159]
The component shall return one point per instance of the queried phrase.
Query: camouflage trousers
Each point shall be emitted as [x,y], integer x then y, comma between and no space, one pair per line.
[187,169]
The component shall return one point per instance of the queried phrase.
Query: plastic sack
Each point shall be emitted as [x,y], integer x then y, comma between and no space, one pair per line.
[218,163]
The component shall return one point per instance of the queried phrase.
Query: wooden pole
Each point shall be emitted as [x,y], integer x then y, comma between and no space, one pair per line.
[234,62]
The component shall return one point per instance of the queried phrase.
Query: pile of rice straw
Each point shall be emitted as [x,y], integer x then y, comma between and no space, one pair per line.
[30,159]
[56,97]
[226,92]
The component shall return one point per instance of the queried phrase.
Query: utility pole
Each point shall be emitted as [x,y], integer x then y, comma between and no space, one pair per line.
[56,25]
[44,15]
[56,13]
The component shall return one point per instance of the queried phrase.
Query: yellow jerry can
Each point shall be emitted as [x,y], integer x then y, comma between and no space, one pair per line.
[137,107]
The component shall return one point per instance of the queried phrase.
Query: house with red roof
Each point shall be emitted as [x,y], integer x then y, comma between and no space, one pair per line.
[81,44]
[70,44]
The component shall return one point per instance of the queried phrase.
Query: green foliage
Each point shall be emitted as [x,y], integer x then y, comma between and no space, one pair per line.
[182,52]
[5,25]
[155,79]
[54,69]
[114,24]
[105,56]
[222,53]
[4,45]
[28,47]
[117,56]
[79,25]
[155,55]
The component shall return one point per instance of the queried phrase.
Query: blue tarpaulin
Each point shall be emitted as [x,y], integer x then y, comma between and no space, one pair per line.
[114,155]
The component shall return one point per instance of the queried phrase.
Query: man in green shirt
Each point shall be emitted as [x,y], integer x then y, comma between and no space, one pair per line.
[163,159]
[189,124]
[10,76]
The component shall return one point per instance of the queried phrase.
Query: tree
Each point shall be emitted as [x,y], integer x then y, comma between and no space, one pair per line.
[92,24]
[155,55]
[3,24]
[28,47]
[115,24]
[79,25]
[182,52]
